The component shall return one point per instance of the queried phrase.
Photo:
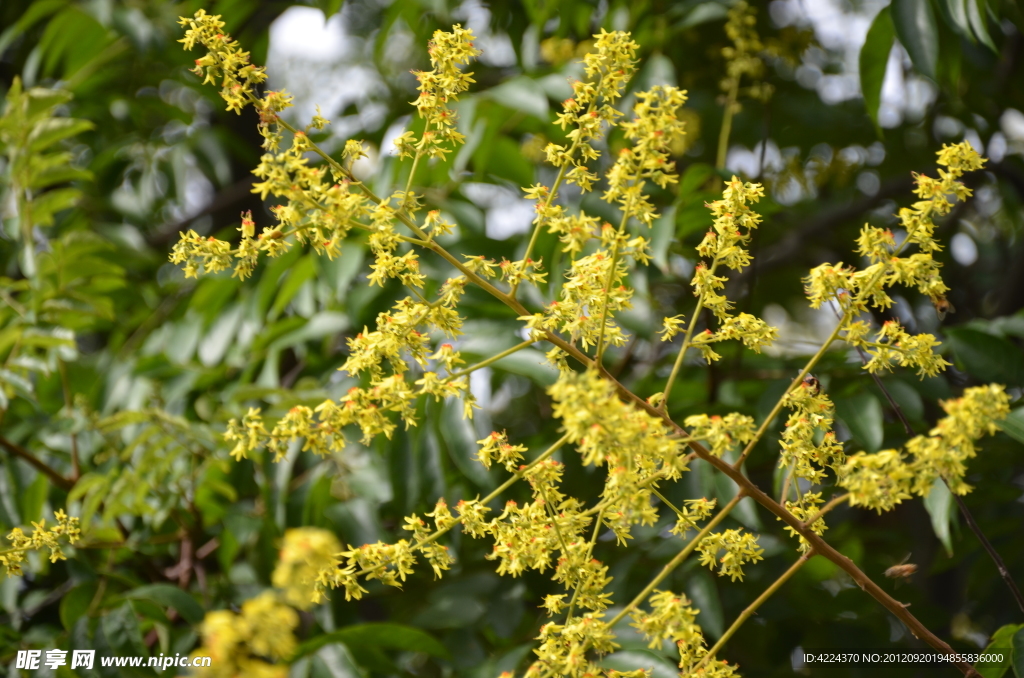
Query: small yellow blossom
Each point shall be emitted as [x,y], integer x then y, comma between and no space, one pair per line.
[40,538]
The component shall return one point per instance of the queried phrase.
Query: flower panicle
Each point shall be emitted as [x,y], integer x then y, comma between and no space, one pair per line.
[259,640]
[225,63]
[42,537]
[882,480]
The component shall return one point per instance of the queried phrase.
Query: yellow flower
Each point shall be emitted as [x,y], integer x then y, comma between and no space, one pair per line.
[305,552]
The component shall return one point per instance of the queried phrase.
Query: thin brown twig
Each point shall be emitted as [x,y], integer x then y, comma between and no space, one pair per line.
[41,466]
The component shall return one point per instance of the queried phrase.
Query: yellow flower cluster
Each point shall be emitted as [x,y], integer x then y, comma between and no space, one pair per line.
[804,509]
[390,563]
[721,433]
[321,205]
[42,537]
[740,548]
[812,413]
[496,446]
[724,244]
[877,481]
[563,647]
[448,52]
[320,210]
[305,552]
[608,68]
[855,291]
[370,408]
[248,643]
[692,512]
[943,452]
[594,282]
[224,60]
[635,446]
[882,480]
[743,58]
[652,133]
[671,618]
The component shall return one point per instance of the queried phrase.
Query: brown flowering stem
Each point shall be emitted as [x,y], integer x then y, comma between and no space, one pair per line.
[825,549]
[19,451]
[678,560]
[834,502]
[746,485]
[752,608]
[794,384]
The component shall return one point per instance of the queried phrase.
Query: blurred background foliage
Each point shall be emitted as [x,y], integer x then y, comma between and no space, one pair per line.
[117,375]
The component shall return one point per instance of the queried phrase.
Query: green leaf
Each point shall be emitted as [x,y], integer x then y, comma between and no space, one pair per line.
[451,610]
[914,22]
[121,628]
[75,604]
[976,16]
[662,233]
[955,13]
[57,175]
[384,635]
[939,503]
[989,358]
[170,596]
[522,94]
[695,176]
[631,660]
[1002,643]
[703,591]
[703,13]
[458,437]
[1018,653]
[1013,425]
[52,130]
[216,342]
[874,57]
[37,10]
[862,414]
[297,277]
[51,202]
[329,7]
[33,498]
[908,399]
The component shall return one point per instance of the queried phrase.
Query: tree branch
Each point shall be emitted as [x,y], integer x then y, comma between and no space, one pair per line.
[19,451]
